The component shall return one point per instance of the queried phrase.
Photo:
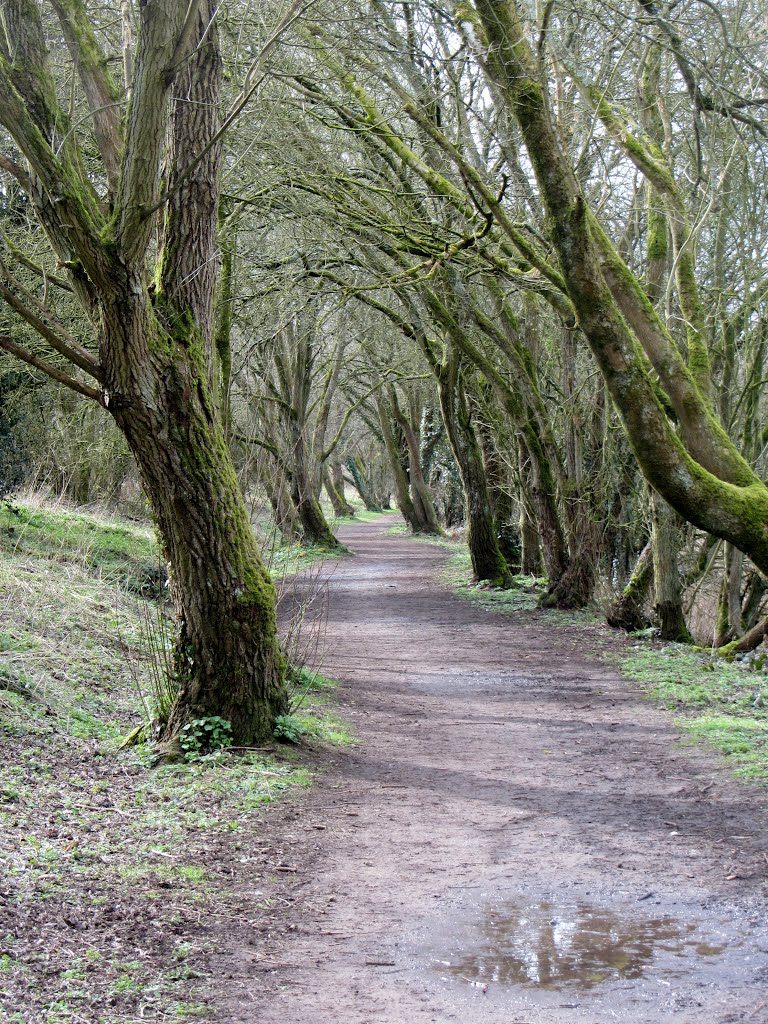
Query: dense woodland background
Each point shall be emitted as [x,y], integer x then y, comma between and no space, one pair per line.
[370,267]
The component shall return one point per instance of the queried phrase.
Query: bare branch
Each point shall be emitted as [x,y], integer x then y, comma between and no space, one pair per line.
[52,331]
[51,371]
[18,173]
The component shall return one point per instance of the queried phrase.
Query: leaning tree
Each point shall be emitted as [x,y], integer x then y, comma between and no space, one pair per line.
[661,387]
[129,202]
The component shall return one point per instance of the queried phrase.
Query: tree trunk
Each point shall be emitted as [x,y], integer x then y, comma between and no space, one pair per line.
[700,472]
[361,485]
[666,573]
[756,587]
[530,557]
[283,511]
[155,324]
[407,507]
[227,658]
[488,564]
[627,612]
[729,623]
[314,526]
[421,497]
[575,586]
[502,504]
[341,507]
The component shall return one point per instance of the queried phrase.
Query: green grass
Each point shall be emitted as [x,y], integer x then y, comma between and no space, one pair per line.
[723,704]
[362,515]
[116,553]
[457,573]
[292,559]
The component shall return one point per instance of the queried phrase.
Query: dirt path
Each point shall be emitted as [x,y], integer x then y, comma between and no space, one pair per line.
[518,838]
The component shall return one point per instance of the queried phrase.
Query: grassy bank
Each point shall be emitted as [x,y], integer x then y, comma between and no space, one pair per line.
[110,867]
[724,704]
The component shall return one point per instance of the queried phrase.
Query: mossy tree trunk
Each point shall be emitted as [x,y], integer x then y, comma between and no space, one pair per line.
[530,543]
[407,508]
[357,472]
[503,505]
[314,526]
[488,563]
[421,496]
[339,504]
[152,366]
[729,620]
[519,402]
[298,423]
[283,511]
[628,610]
[668,598]
[337,478]
[576,585]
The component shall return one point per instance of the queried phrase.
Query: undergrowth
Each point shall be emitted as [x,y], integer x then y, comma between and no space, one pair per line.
[723,703]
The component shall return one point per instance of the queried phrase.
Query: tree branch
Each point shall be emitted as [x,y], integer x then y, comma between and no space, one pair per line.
[100,91]
[53,332]
[51,371]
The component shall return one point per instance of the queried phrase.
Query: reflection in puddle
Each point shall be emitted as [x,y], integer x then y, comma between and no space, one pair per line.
[554,946]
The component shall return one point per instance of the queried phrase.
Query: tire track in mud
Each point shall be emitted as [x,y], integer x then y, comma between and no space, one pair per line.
[517,838]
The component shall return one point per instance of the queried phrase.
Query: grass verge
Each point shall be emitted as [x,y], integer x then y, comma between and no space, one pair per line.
[522,596]
[114,873]
[722,703]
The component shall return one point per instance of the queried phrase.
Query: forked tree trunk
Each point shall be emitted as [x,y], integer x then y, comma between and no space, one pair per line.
[421,496]
[407,507]
[284,514]
[576,585]
[340,505]
[314,526]
[502,504]
[337,478]
[366,494]
[154,366]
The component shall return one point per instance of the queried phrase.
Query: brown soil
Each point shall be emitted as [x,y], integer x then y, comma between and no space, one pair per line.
[519,836]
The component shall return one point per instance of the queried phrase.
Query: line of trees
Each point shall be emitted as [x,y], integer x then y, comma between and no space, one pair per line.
[506,265]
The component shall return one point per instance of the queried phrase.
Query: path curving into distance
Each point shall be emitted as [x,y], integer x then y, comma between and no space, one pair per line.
[519,838]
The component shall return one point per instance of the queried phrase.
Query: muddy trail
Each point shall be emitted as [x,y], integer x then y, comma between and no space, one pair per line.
[519,837]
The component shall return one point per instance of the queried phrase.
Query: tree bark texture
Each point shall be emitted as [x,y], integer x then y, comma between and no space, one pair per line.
[356,471]
[410,512]
[628,610]
[668,604]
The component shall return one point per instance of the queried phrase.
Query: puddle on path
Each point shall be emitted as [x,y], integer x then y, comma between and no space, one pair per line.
[578,946]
